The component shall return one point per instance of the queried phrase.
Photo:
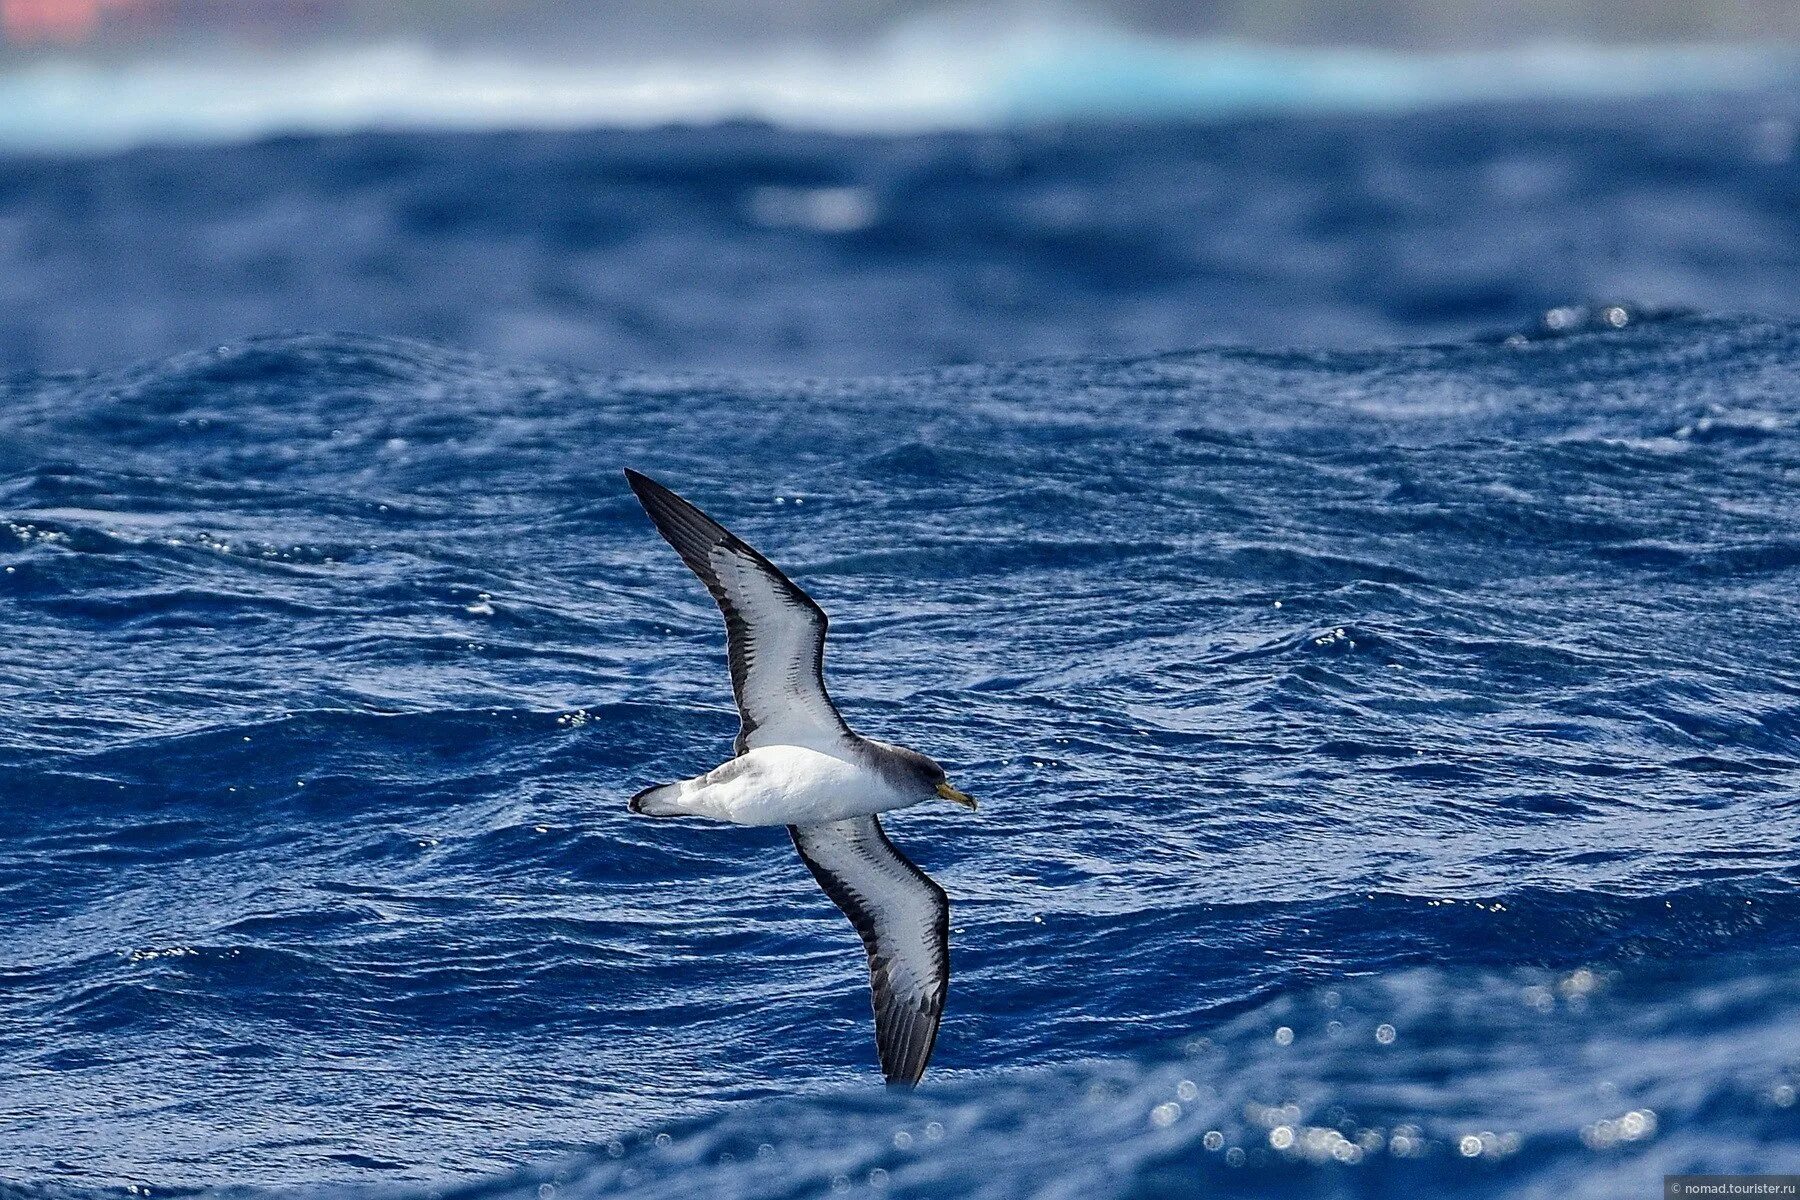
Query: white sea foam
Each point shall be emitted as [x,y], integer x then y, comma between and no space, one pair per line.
[930,76]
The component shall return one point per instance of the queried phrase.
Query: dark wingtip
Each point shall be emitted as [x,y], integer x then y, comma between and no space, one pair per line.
[682,524]
[655,497]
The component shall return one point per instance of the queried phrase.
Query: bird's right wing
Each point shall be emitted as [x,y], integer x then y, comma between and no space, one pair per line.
[904,920]
[774,633]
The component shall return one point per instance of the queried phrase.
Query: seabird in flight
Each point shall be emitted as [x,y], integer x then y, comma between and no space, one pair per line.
[798,764]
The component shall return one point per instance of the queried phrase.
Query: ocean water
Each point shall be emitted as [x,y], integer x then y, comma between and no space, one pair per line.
[1389,763]
[1353,218]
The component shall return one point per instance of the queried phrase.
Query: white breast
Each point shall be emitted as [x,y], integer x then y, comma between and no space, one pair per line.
[788,785]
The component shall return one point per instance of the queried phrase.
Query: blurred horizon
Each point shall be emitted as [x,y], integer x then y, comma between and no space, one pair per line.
[32,30]
[101,75]
[683,187]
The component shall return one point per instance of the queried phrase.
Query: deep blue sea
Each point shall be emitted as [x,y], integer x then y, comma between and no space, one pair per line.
[744,248]
[1388,753]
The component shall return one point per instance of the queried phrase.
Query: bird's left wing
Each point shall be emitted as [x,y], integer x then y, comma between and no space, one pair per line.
[904,920]
[774,632]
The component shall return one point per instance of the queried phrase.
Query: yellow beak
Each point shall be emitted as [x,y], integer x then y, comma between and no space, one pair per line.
[955,797]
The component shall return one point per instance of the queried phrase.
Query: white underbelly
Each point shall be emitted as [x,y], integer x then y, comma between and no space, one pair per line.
[789,785]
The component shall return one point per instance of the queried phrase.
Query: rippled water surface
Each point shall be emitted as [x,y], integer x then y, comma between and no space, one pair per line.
[1388,764]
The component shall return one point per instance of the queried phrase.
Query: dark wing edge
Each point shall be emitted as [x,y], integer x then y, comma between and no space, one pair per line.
[695,537]
[903,918]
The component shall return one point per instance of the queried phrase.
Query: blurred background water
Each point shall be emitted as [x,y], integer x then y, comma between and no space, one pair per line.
[1324,475]
[871,187]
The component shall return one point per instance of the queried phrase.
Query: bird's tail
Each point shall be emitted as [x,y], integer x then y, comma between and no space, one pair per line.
[657,801]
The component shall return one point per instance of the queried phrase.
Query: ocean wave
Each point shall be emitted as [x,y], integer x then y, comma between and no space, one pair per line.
[935,74]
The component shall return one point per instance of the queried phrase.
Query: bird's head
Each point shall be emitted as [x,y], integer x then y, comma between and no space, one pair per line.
[930,778]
